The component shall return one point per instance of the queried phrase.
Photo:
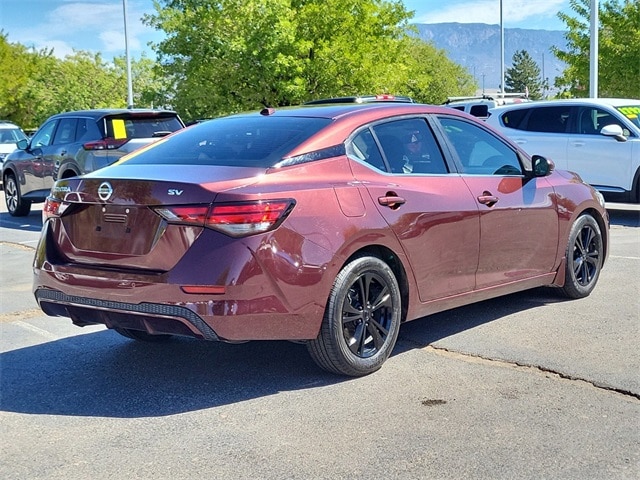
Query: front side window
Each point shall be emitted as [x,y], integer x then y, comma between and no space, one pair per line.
[478,151]
[44,136]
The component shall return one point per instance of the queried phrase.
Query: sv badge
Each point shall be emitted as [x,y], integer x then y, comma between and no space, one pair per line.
[174,191]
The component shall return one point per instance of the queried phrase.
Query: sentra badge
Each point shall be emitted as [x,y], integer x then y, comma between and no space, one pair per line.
[105,191]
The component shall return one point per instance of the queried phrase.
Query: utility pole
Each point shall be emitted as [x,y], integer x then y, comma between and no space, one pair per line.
[126,50]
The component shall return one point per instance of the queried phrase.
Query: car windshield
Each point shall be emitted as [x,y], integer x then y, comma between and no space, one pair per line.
[259,141]
[11,135]
[141,127]
[632,112]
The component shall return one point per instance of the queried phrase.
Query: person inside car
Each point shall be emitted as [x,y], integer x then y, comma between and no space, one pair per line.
[414,152]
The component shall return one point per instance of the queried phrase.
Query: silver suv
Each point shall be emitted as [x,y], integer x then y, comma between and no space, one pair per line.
[74,143]
[599,139]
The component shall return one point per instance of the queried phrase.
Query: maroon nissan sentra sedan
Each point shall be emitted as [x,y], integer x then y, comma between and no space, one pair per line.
[331,225]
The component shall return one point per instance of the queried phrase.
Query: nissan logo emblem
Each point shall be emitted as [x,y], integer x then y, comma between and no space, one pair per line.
[105,191]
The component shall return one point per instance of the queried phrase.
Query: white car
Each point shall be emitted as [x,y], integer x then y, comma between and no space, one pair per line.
[10,135]
[599,139]
[479,106]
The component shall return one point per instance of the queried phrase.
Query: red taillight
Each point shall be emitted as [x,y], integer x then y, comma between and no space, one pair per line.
[105,144]
[189,214]
[385,97]
[53,208]
[236,220]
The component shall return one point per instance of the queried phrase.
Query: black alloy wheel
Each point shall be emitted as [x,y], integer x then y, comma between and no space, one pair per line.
[362,319]
[585,252]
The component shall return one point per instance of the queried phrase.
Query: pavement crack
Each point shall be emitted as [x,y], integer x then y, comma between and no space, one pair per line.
[471,357]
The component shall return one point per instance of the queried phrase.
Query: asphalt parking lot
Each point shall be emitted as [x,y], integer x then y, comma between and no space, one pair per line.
[528,386]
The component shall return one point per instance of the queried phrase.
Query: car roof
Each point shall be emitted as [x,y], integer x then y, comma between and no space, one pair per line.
[338,110]
[103,112]
[613,102]
[384,98]
[7,124]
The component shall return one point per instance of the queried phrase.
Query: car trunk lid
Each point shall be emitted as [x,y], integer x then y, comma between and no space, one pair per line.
[114,221]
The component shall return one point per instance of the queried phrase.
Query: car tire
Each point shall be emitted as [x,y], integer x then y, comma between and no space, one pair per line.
[142,336]
[361,321]
[584,255]
[16,205]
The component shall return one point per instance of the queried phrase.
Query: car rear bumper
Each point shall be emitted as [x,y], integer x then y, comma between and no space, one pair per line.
[150,317]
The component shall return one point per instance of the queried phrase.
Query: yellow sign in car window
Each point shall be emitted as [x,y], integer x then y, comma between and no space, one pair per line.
[119,130]
[630,112]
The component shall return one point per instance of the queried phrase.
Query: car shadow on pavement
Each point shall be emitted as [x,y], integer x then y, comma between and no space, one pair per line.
[29,223]
[425,331]
[106,375]
[624,218]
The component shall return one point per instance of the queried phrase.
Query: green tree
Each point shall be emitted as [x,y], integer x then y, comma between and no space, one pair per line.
[618,57]
[230,55]
[36,85]
[524,75]
[19,68]
[149,89]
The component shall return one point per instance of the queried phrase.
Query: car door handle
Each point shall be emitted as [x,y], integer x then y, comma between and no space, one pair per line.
[487,199]
[63,153]
[391,201]
[579,144]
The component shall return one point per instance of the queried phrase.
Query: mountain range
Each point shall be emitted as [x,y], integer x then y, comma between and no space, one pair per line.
[476,46]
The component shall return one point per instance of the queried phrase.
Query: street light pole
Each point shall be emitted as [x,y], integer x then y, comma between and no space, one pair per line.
[126,49]
[501,53]
[593,51]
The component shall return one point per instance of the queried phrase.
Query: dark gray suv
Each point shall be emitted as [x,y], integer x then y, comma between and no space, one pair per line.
[74,143]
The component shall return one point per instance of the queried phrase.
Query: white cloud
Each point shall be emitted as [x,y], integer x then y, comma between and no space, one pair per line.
[488,11]
[85,25]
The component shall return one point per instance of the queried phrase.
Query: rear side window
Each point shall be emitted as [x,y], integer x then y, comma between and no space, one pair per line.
[548,119]
[260,141]
[514,118]
[66,132]
[410,147]
[87,130]
[479,111]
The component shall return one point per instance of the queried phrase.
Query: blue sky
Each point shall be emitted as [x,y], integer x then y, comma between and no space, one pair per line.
[97,25]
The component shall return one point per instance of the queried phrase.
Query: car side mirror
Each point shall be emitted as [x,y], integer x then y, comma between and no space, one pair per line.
[614,131]
[22,144]
[542,166]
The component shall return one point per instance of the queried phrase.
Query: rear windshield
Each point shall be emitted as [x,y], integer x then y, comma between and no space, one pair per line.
[260,141]
[141,127]
[632,112]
